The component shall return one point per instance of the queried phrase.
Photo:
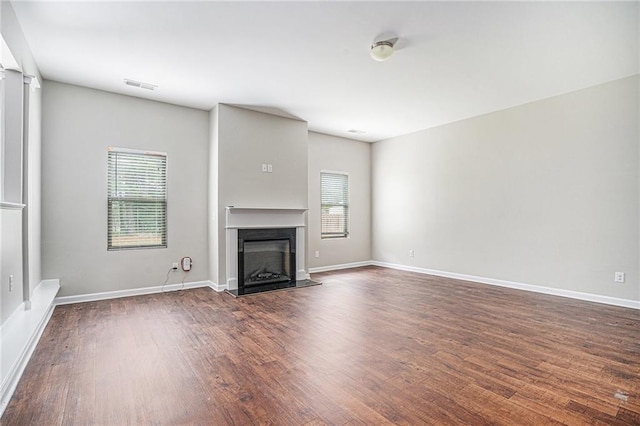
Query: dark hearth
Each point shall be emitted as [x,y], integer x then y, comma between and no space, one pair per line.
[272,287]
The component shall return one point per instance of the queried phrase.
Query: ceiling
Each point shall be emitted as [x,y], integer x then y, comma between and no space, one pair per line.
[454,60]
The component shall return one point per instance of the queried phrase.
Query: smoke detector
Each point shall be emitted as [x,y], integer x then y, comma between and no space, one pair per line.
[382,50]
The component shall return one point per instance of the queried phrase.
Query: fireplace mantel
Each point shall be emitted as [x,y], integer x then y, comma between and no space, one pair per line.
[260,217]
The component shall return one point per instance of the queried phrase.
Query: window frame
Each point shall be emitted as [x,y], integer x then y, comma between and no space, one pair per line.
[164,243]
[346,206]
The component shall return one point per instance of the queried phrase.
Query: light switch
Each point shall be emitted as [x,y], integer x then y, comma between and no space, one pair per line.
[269,168]
[264,167]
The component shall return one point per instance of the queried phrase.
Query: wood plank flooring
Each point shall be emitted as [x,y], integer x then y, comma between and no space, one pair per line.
[369,346]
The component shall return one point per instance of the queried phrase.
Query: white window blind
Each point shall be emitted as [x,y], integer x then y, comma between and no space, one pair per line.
[334,195]
[137,199]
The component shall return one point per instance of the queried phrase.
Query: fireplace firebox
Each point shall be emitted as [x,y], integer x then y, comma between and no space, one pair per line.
[266,259]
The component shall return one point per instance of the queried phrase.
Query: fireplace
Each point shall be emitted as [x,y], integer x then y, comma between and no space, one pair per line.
[265,257]
[265,250]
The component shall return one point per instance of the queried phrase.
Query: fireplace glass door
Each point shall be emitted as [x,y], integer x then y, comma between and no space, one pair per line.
[266,257]
[266,262]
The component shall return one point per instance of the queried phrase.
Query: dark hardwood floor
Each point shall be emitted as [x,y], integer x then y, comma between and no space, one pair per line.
[369,346]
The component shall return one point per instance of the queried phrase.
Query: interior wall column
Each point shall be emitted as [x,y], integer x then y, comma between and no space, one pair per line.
[26,288]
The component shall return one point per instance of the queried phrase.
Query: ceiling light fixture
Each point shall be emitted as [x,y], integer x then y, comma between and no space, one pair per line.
[382,50]
[140,84]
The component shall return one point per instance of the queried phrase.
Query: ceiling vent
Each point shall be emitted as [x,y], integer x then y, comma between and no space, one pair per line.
[356,132]
[140,84]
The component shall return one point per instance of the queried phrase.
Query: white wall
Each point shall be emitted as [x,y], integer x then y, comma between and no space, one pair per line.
[13,145]
[545,193]
[353,157]
[78,126]
[10,261]
[245,140]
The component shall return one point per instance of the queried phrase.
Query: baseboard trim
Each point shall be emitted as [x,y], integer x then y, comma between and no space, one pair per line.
[92,297]
[20,335]
[217,287]
[590,297]
[340,266]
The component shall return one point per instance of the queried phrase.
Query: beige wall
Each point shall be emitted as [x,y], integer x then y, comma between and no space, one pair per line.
[78,126]
[245,140]
[545,194]
[353,157]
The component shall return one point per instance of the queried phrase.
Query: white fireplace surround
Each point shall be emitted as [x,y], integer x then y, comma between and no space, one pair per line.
[250,217]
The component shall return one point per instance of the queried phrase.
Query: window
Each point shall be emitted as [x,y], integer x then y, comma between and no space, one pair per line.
[137,199]
[334,196]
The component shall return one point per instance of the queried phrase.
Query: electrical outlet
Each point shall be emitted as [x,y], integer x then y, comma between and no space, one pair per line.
[174,266]
[619,277]
[317,254]
[412,253]
[10,283]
